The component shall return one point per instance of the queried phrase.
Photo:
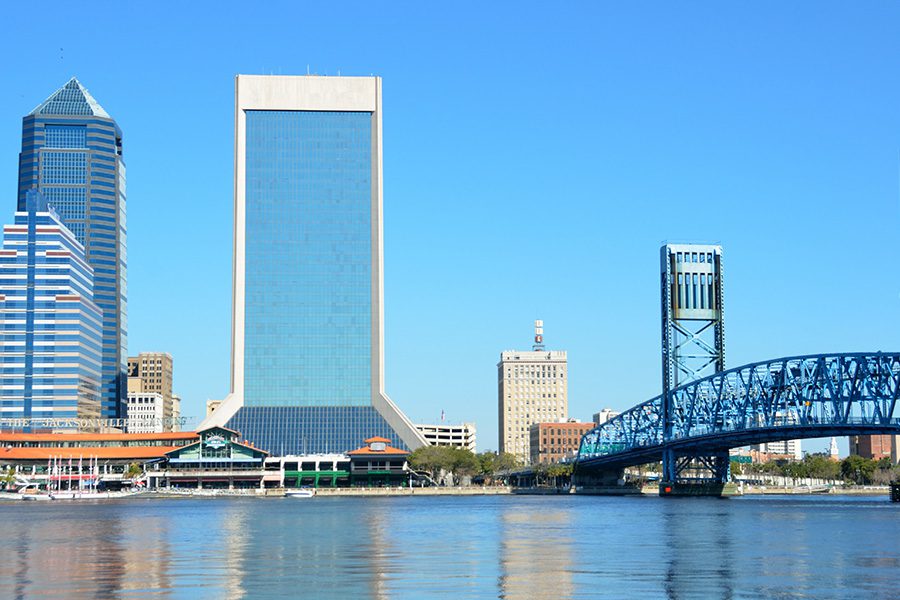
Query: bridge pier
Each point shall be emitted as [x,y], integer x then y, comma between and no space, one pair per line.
[603,483]
[691,474]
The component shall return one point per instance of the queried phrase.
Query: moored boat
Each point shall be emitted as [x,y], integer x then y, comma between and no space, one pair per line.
[302,493]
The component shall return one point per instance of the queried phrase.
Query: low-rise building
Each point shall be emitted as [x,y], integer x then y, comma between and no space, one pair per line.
[217,460]
[30,454]
[378,464]
[554,442]
[457,436]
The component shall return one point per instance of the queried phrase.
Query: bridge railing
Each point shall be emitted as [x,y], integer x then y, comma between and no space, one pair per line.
[859,389]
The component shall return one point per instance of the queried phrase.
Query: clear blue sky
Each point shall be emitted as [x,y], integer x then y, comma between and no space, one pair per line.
[535,157]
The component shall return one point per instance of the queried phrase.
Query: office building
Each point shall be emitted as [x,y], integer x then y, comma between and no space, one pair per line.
[145,412]
[51,339]
[874,447]
[307,372]
[533,388]
[457,436]
[605,415]
[151,373]
[785,448]
[72,153]
[555,442]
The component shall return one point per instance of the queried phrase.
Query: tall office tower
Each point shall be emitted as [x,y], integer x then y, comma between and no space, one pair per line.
[307,360]
[50,347]
[533,388]
[72,153]
[151,373]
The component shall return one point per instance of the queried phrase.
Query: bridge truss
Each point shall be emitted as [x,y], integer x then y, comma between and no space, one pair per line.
[787,398]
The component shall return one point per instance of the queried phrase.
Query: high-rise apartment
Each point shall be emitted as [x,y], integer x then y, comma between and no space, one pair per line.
[50,347]
[533,388]
[151,373]
[72,153]
[307,361]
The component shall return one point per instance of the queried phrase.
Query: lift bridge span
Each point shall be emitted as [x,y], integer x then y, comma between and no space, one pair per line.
[787,398]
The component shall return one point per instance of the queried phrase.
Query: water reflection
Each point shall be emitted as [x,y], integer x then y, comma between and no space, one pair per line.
[698,538]
[451,548]
[536,553]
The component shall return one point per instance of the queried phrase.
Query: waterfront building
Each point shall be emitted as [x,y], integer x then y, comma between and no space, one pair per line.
[532,388]
[554,442]
[28,454]
[895,450]
[307,368]
[457,436]
[874,447]
[378,464]
[217,460]
[605,415]
[310,470]
[833,450]
[72,154]
[50,346]
[151,373]
[145,412]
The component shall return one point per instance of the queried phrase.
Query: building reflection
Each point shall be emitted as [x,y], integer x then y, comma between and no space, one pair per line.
[536,553]
[698,567]
[60,555]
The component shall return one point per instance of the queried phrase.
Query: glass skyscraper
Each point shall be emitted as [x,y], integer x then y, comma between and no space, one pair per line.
[50,344]
[307,336]
[72,154]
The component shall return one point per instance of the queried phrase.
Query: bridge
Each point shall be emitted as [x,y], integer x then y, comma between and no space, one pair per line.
[691,427]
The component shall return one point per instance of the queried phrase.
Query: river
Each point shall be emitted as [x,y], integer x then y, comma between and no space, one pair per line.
[453,547]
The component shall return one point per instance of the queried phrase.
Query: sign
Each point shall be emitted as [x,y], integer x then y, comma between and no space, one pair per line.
[51,423]
[215,442]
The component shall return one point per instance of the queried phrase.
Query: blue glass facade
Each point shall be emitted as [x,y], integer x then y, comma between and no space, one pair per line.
[308,311]
[72,154]
[50,346]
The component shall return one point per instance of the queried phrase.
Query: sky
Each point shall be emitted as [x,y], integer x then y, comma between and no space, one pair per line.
[536,156]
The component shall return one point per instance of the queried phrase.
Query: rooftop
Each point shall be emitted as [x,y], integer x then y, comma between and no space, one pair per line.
[72,99]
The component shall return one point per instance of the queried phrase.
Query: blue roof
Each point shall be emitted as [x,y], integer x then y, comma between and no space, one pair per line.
[72,99]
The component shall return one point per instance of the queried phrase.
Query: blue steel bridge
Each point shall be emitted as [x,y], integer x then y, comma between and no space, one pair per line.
[788,398]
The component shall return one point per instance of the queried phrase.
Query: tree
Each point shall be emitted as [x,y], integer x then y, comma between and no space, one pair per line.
[432,459]
[134,470]
[857,469]
[463,463]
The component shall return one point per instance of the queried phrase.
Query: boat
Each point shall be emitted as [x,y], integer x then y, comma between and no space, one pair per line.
[301,493]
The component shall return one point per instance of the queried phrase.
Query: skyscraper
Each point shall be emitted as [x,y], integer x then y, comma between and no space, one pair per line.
[72,153]
[532,388]
[50,348]
[307,372]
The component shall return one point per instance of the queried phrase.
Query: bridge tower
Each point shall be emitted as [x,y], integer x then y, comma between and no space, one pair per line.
[693,347]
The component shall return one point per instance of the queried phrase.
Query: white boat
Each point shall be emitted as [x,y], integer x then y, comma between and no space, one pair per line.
[301,493]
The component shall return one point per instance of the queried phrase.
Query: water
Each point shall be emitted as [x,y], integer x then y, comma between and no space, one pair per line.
[453,547]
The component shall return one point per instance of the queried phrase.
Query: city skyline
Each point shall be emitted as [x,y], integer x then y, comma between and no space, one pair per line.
[787,156]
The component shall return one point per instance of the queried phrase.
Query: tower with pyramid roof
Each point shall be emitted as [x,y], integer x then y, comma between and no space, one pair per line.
[72,154]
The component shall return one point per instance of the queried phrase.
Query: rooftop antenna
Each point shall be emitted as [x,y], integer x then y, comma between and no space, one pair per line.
[538,335]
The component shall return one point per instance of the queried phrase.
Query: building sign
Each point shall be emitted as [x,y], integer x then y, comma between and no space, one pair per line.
[48,423]
[215,442]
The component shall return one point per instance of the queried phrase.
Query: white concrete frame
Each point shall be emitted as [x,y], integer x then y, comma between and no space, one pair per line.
[309,93]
